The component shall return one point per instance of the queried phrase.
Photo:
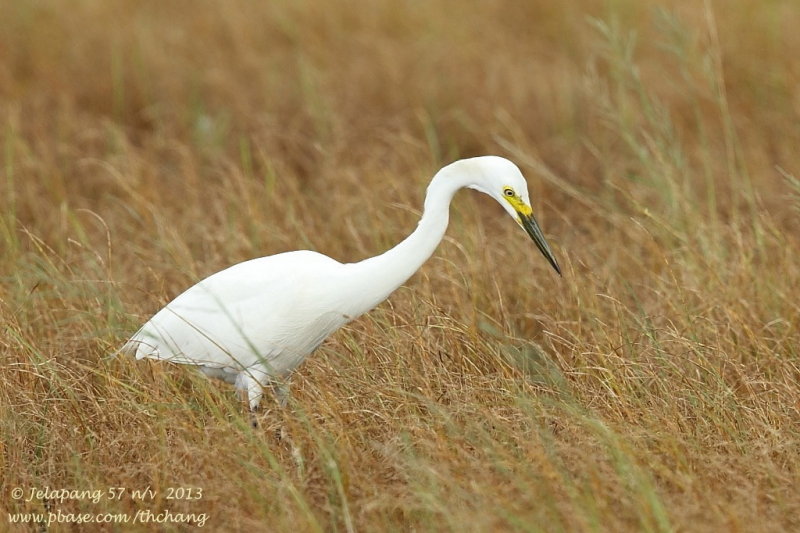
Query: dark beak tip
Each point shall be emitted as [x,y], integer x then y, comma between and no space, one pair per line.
[557,268]
[532,228]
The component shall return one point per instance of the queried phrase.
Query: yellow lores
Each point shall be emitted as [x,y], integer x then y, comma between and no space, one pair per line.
[525,219]
[519,205]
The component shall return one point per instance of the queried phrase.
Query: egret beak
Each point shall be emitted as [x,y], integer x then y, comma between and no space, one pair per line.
[532,228]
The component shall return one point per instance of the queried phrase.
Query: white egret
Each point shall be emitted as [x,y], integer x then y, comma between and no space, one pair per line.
[254,322]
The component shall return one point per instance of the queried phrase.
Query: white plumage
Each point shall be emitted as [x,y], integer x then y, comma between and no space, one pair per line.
[254,322]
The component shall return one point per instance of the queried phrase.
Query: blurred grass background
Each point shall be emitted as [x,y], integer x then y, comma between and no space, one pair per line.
[147,144]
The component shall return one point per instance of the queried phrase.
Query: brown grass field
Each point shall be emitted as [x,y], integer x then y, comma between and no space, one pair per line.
[655,387]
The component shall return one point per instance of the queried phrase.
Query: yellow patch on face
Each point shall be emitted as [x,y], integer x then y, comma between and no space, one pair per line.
[518,203]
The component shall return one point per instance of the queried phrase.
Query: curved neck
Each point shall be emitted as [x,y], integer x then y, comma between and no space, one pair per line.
[379,276]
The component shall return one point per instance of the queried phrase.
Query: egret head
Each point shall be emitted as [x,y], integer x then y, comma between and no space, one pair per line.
[503,181]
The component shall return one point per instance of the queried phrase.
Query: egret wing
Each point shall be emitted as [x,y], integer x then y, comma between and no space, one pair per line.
[235,318]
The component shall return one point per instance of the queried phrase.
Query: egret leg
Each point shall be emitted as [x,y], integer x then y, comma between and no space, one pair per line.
[251,381]
[281,390]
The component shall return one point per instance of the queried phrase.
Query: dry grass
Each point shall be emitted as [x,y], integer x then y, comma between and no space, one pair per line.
[653,388]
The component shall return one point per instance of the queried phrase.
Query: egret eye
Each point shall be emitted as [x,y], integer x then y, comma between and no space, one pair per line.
[508,192]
